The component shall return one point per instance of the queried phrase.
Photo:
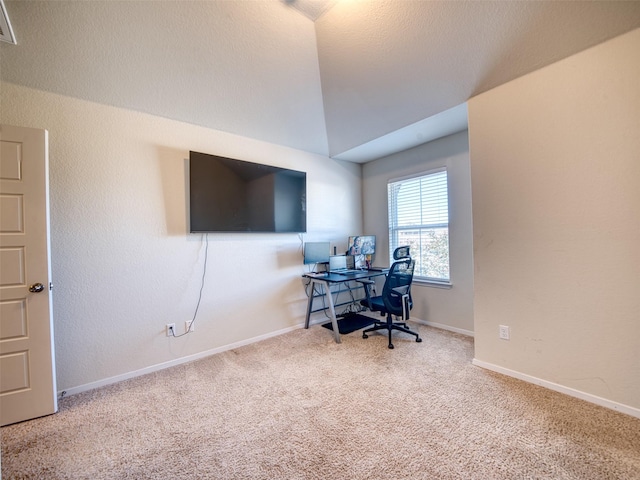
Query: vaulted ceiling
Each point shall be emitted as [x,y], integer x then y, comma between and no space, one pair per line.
[350,79]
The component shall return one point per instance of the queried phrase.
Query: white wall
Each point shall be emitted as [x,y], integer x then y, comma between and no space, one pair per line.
[123,263]
[555,164]
[450,308]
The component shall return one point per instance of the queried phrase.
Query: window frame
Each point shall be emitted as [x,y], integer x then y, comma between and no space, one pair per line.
[393,230]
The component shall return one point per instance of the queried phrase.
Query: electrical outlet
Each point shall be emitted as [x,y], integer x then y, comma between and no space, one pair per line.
[503,332]
[188,324]
[171,329]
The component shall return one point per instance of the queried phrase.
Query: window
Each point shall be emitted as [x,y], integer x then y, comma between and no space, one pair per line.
[419,217]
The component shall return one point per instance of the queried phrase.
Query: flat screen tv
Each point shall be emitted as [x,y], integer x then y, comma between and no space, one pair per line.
[229,195]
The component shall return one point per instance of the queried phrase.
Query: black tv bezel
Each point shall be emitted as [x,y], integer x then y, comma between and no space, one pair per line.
[196,209]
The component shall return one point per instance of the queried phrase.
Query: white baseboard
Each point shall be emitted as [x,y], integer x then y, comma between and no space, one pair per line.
[603,402]
[442,326]
[172,363]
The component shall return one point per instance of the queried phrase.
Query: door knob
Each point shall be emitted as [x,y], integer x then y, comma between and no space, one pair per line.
[36,288]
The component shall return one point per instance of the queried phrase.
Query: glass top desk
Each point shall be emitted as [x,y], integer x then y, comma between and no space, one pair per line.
[326,279]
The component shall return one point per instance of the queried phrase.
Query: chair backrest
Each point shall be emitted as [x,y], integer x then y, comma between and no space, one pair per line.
[401,253]
[396,293]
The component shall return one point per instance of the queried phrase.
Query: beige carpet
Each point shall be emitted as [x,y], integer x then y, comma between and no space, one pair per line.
[300,406]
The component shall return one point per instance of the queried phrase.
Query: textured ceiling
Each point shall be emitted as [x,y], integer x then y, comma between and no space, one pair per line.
[245,67]
[312,9]
[355,80]
[389,64]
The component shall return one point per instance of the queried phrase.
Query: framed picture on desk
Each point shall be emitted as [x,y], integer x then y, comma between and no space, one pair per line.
[362,247]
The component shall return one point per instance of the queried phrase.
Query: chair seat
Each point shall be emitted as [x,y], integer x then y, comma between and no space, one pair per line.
[375,304]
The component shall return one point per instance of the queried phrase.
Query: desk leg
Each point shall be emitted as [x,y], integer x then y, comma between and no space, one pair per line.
[310,304]
[332,310]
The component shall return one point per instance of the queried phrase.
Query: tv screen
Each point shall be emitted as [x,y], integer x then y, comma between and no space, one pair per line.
[230,195]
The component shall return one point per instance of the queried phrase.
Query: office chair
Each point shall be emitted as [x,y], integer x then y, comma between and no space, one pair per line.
[403,253]
[400,253]
[395,299]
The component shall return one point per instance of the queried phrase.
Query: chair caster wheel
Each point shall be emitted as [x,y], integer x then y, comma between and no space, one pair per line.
[390,346]
[364,335]
[418,340]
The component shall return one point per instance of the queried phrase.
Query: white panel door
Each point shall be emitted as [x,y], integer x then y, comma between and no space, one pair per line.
[27,366]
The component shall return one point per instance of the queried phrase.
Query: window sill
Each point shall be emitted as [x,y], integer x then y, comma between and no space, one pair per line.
[432,283]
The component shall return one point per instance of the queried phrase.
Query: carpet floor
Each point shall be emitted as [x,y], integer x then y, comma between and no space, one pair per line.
[300,406]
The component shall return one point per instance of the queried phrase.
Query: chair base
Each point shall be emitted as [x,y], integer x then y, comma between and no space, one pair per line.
[390,326]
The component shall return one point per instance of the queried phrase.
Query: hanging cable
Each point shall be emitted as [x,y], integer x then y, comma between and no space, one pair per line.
[205,238]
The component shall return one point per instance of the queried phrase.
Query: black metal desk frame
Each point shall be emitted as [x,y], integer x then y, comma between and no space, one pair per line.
[326,280]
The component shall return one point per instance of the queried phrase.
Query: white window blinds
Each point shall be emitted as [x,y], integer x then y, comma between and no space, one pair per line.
[419,217]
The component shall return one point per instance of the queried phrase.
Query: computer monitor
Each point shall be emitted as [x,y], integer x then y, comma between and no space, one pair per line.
[316,252]
[361,245]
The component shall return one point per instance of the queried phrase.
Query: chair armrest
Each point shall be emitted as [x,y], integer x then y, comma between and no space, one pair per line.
[405,307]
